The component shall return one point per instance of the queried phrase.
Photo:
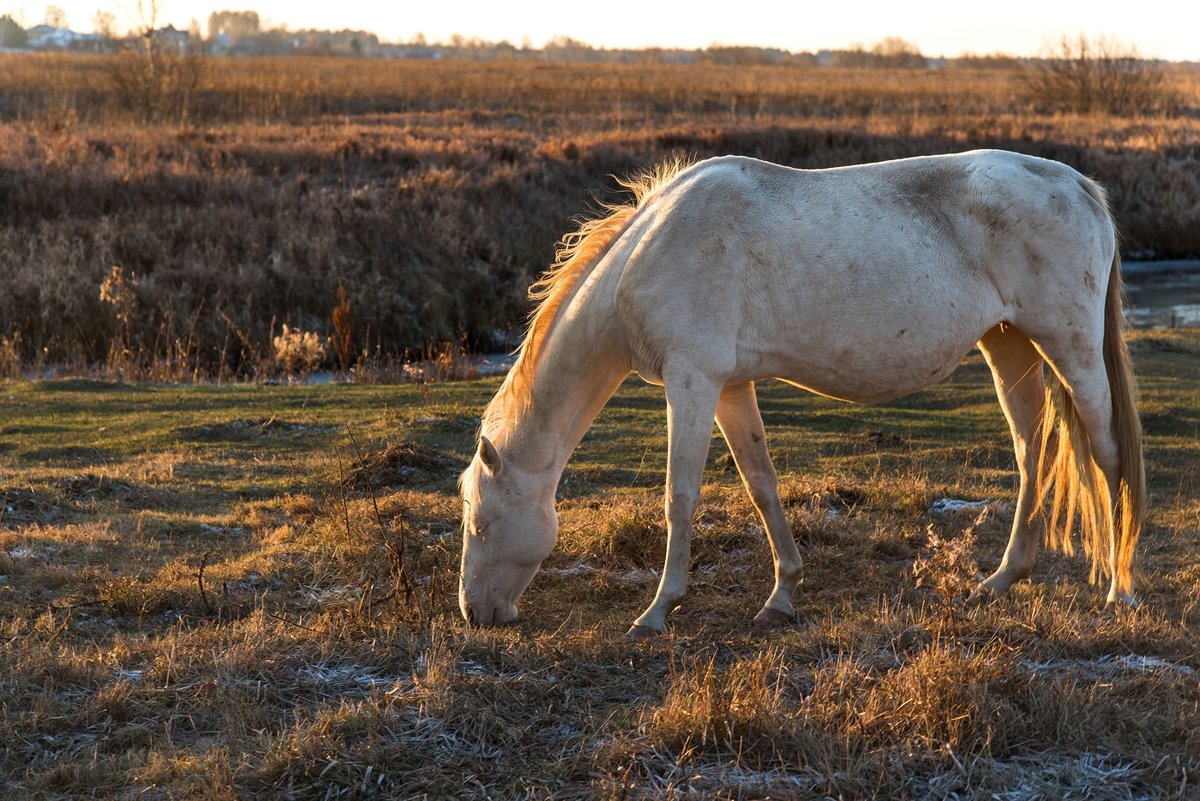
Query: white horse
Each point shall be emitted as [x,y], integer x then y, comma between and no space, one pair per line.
[861,283]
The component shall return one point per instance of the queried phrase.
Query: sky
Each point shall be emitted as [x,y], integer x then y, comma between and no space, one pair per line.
[1157,28]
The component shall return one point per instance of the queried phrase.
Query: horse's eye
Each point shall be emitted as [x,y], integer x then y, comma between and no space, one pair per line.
[481,529]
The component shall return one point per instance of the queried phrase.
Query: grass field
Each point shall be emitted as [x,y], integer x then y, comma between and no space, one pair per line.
[249,592]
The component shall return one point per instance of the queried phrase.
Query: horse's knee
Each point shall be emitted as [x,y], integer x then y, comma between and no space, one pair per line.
[683,502]
[763,490]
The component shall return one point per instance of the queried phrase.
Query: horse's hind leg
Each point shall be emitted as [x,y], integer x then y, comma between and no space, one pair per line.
[1017,370]
[742,426]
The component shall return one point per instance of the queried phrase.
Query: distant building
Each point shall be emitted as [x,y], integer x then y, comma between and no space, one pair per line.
[46,38]
[170,39]
[415,51]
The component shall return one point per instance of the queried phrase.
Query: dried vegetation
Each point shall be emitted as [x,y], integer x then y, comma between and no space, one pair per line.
[249,592]
[242,592]
[431,194]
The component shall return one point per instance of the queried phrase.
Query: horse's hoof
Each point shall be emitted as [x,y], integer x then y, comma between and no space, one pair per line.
[982,596]
[773,618]
[637,632]
[1121,606]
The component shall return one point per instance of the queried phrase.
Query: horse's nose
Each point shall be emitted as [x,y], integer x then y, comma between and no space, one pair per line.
[470,614]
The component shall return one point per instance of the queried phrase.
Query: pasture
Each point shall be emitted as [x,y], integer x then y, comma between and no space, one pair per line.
[248,591]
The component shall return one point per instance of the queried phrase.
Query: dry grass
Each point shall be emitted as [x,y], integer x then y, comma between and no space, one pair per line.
[266,90]
[434,193]
[248,592]
[241,592]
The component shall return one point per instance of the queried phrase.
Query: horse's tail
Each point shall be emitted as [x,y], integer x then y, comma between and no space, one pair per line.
[1067,470]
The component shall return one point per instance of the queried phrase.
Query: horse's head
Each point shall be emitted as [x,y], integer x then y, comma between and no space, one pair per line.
[509,527]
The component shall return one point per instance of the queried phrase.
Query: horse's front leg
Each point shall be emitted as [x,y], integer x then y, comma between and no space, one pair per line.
[691,404]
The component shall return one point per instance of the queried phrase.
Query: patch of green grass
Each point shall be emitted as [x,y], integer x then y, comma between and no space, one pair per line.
[249,591]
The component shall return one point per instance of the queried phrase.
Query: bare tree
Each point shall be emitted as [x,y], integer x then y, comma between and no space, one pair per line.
[1085,75]
[891,52]
[55,17]
[158,78]
[236,25]
[896,52]
[105,24]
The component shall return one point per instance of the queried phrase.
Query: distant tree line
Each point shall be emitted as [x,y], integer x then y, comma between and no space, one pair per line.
[232,32]
[1078,74]
[12,35]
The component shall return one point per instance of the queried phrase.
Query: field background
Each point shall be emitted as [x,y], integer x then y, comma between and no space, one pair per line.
[225,591]
[435,192]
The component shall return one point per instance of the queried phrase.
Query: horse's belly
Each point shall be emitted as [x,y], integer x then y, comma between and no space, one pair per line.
[863,392]
[870,342]
[871,370]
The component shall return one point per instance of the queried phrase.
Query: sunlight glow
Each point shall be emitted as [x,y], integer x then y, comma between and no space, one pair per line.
[1017,27]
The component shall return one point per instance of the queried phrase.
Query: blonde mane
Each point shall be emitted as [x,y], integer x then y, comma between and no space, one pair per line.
[577,253]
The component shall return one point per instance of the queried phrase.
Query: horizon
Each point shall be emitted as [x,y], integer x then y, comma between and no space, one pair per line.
[937,29]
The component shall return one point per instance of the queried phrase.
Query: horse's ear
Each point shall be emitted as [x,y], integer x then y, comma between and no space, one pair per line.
[490,456]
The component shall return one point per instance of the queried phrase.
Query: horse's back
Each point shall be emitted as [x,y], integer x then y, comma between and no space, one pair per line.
[860,282]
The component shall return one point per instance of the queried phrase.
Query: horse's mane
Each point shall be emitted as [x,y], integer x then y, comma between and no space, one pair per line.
[577,253]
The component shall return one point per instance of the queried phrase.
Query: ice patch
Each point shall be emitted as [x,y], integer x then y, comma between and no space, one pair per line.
[577,569]
[1110,663]
[949,506]
[472,668]
[1048,775]
[637,575]
[33,552]
[345,677]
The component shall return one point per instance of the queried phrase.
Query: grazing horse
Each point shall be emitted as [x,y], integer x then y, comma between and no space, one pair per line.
[860,283]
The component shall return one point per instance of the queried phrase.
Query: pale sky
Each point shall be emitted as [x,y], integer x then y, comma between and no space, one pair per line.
[1157,28]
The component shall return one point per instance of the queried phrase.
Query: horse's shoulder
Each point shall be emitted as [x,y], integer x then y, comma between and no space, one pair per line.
[743,172]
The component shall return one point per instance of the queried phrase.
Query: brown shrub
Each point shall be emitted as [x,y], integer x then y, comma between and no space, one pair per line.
[1084,75]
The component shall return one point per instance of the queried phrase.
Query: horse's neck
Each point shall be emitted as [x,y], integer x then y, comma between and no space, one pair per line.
[580,365]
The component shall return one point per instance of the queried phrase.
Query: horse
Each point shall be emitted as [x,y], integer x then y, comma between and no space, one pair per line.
[861,283]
